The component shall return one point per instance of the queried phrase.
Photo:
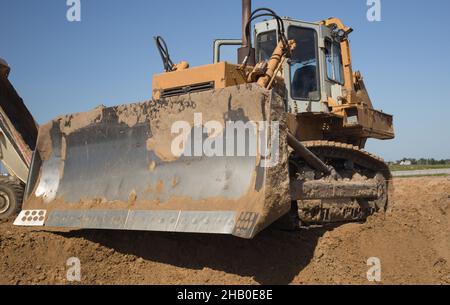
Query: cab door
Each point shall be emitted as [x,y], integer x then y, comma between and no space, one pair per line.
[333,69]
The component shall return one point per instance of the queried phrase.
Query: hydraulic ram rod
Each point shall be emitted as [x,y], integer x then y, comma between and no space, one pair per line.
[307,155]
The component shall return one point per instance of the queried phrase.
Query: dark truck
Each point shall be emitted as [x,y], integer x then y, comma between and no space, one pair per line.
[18,135]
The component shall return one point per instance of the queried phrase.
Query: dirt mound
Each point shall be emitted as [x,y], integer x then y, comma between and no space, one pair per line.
[411,240]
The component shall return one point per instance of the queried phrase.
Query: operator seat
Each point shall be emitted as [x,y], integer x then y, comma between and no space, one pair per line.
[304,82]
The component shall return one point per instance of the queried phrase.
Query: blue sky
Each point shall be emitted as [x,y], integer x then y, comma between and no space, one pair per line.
[108,58]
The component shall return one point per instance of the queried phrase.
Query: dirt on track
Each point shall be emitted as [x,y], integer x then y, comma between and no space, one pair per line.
[412,241]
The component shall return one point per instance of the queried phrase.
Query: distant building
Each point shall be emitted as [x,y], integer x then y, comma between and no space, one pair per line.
[406,163]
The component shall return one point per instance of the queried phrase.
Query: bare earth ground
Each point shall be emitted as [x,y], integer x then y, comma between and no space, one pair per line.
[412,241]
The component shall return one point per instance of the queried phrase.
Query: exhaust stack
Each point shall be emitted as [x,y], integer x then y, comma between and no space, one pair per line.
[243,51]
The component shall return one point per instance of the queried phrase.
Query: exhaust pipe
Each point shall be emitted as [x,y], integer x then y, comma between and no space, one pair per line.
[246,13]
[243,51]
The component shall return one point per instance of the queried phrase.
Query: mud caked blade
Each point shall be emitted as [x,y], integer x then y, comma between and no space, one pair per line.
[115,168]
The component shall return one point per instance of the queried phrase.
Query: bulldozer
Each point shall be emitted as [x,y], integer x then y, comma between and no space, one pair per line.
[224,148]
[18,134]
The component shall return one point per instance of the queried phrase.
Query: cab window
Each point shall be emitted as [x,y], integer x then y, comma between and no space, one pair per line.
[304,64]
[334,61]
[265,45]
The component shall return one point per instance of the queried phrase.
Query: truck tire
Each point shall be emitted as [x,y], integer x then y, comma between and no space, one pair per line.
[11,195]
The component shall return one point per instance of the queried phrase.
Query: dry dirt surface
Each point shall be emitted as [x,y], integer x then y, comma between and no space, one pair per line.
[412,241]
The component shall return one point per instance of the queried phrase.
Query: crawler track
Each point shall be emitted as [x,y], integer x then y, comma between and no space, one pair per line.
[354,169]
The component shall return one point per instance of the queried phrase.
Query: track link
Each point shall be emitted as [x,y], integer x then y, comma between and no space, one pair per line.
[336,150]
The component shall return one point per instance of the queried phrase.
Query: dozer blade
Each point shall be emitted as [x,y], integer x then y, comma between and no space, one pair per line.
[132,167]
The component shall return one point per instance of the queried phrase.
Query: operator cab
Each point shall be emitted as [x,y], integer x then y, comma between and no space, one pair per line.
[315,70]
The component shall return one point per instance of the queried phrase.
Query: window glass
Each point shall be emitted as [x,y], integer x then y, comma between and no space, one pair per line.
[266,44]
[334,61]
[304,64]
[337,60]
[329,58]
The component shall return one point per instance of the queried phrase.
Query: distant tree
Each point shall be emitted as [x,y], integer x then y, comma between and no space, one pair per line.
[422,161]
